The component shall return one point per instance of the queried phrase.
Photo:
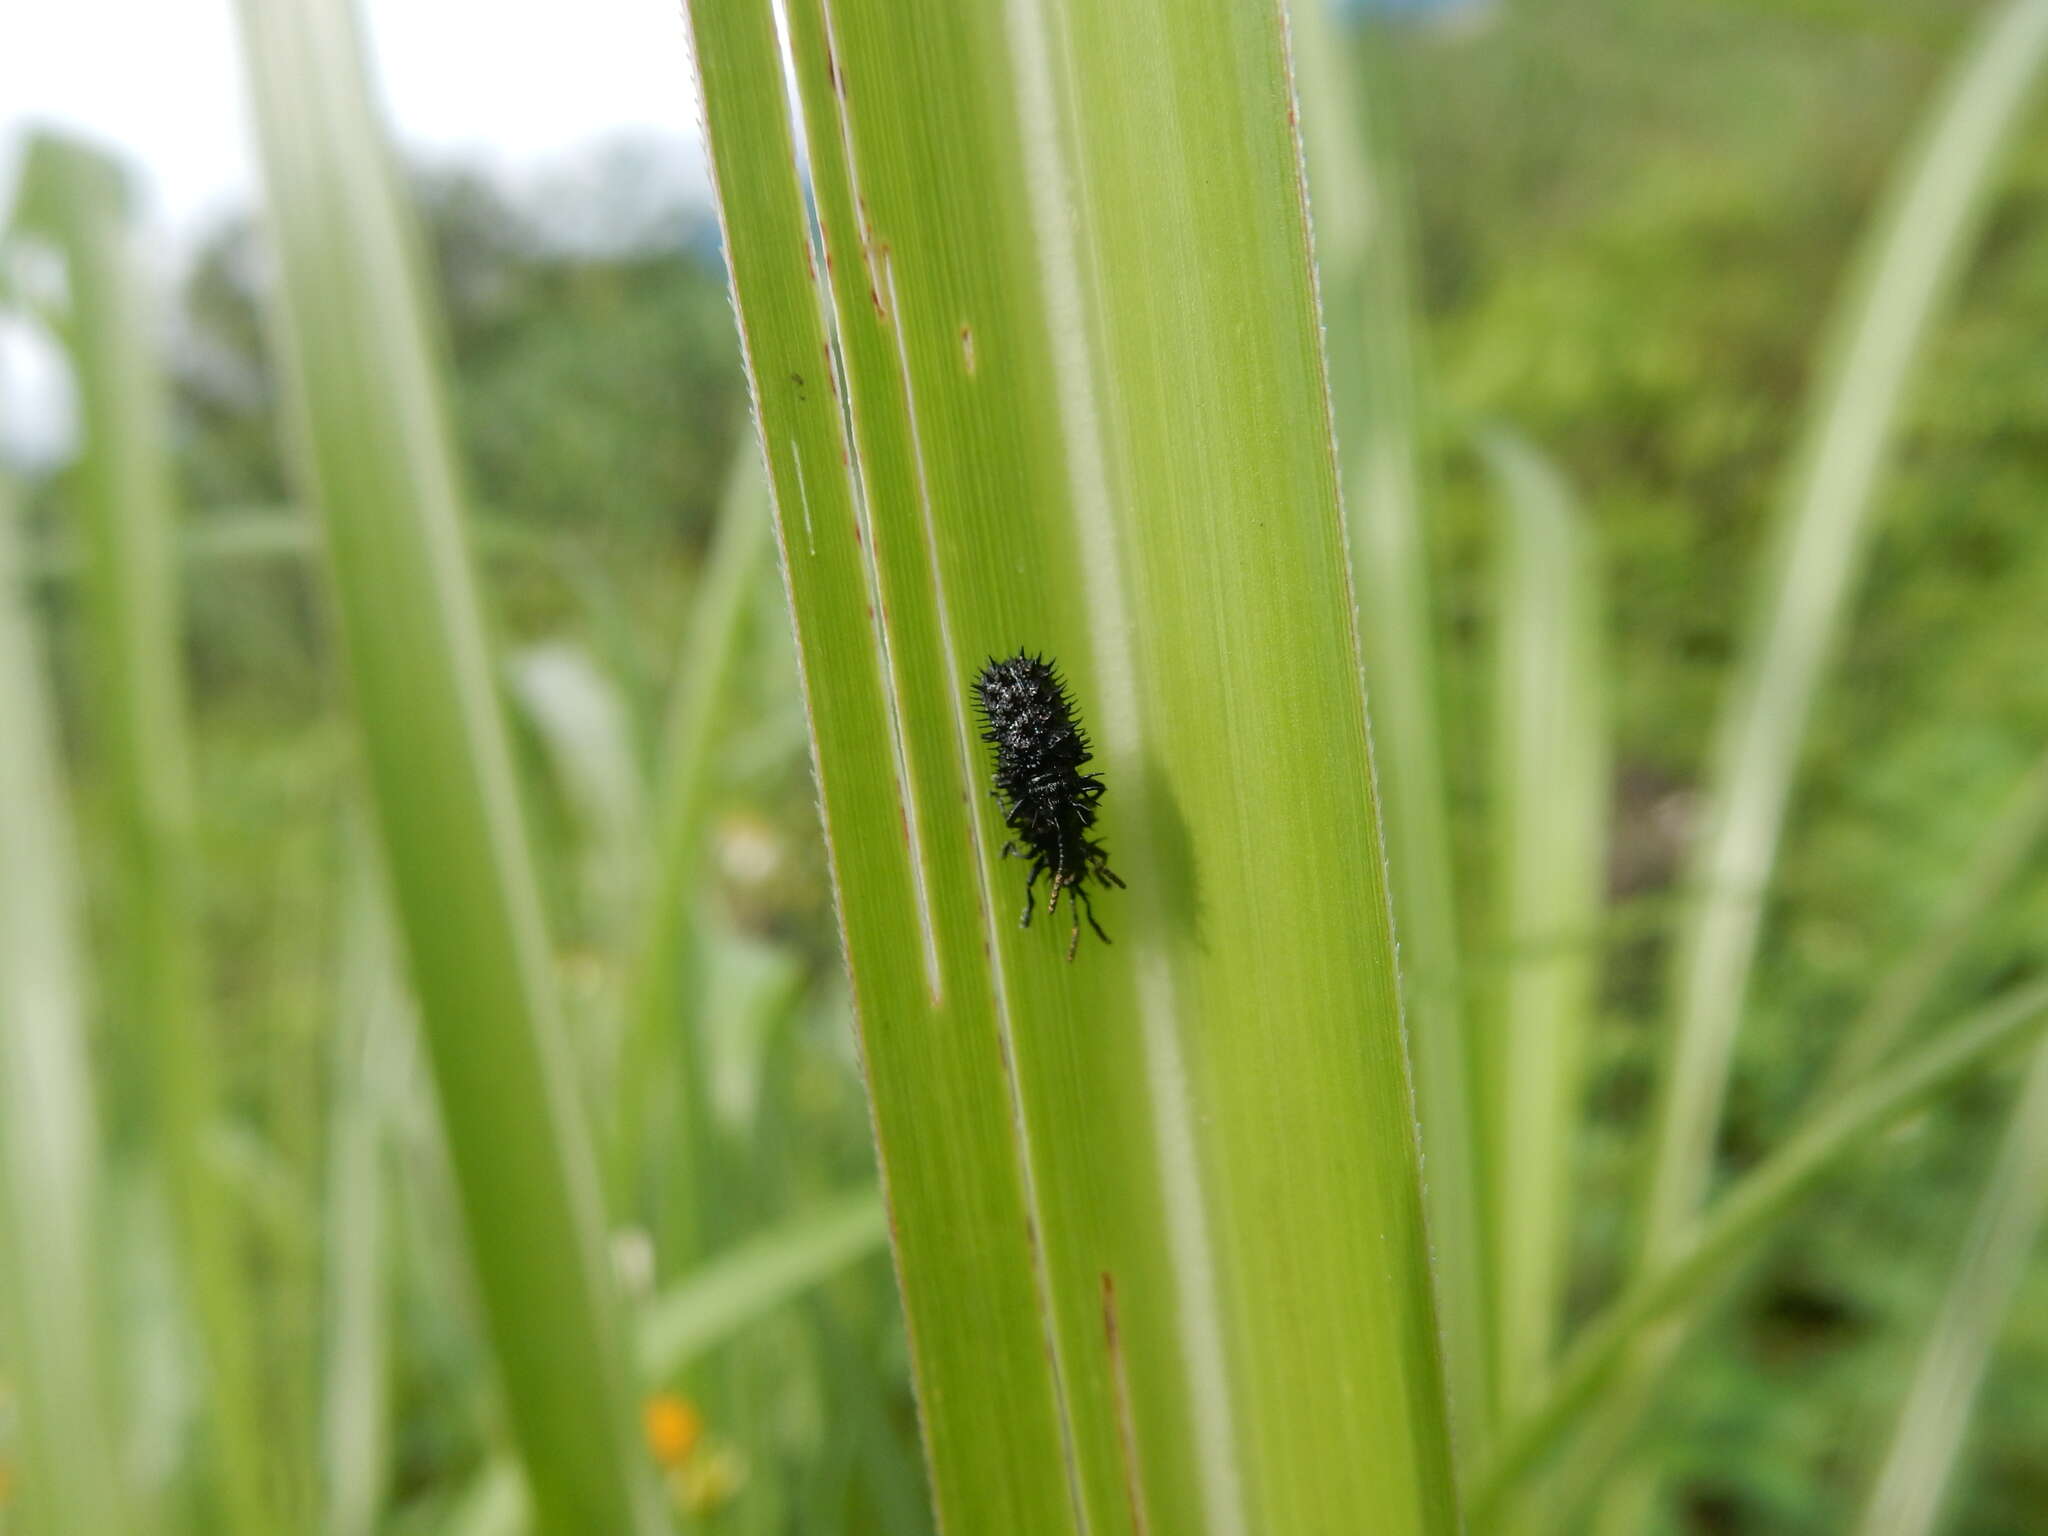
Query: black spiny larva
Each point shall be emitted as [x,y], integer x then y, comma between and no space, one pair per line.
[1046,799]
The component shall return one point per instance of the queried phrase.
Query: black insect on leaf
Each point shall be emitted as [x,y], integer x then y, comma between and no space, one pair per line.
[1047,800]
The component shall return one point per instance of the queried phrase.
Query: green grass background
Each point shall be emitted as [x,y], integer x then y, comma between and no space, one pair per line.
[1630,220]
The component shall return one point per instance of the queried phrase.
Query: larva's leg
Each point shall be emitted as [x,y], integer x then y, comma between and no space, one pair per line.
[1029,900]
[1081,896]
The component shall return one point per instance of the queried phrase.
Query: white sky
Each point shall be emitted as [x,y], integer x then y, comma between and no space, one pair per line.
[514,84]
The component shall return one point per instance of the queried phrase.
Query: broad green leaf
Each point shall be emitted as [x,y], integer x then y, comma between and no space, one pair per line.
[375,453]
[1053,382]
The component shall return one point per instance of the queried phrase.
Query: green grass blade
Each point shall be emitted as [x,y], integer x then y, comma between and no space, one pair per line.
[73,1478]
[1908,258]
[1362,238]
[1550,809]
[1044,226]
[1747,1212]
[2008,848]
[122,494]
[1906,1496]
[495,1506]
[718,1299]
[746,1282]
[373,1009]
[663,1039]
[374,446]
[239,535]
[583,724]
[1917,243]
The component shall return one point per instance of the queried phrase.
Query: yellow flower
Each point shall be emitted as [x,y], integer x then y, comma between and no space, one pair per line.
[673,1427]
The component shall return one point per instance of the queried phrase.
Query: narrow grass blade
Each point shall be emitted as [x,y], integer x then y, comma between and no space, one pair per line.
[1906,1496]
[1362,238]
[250,534]
[1550,827]
[719,1299]
[1747,1212]
[1013,402]
[122,495]
[372,1009]
[1917,243]
[374,444]
[663,1037]
[1911,252]
[765,1272]
[2008,848]
[73,1477]
[584,727]
[496,1506]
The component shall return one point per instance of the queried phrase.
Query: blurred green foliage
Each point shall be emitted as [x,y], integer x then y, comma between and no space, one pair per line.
[1631,220]
[1634,220]
[599,406]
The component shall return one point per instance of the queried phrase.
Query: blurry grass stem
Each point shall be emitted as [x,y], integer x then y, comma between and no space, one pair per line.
[1906,1495]
[1747,1211]
[1911,252]
[716,1301]
[2008,847]
[374,447]
[53,1301]
[1550,808]
[1360,200]
[662,1054]
[753,1278]
[122,493]
[1917,243]
[372,1015]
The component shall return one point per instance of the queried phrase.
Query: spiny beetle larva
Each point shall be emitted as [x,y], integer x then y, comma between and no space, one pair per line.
[1047,800]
